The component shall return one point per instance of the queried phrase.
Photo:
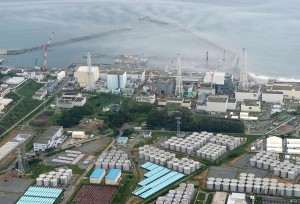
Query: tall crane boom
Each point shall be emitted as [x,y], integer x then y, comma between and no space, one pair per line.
[46,51]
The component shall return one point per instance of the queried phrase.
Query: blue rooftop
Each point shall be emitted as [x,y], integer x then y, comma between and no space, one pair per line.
[97,173]
[112,174]
[122,138]
[111,105]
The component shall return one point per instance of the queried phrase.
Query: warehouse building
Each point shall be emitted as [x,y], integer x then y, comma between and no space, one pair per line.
[4,90]
[113,176]
[251,106]
[122,140]
[71,100]
[97,176]
[274,144]
[83,75]
[293,146]
[272,97]
[253,93]
[116,79]
[146,98]
[14,82]
[48,139]
[78,135]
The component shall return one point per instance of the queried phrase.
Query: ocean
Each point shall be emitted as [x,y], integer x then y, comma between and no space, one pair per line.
[268,29]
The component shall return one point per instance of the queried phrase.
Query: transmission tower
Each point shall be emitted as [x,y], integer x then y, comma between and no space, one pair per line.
[21,164]
[243,84]
[179,86]
[178,125]
[90,74]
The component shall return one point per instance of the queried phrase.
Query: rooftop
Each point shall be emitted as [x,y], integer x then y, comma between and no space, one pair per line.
[97,173]
[111,105]
[116,72]
[231,100]
[217,99]
[273,92]
[112,174]
[251,102]
[122,138]
[48,134]
[78,99]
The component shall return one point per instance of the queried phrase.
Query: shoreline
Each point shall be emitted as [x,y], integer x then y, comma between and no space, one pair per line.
[264,79]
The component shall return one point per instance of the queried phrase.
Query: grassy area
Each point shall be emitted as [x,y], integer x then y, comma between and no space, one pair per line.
[22,108]
[209,198]
[124,189]
[200,198]
[76,169]
[37,168]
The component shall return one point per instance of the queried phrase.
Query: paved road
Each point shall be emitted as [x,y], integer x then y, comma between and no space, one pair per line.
[70,190]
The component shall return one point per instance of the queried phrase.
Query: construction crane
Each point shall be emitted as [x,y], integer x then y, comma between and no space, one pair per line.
[43,68]
[214,69]
[65,42]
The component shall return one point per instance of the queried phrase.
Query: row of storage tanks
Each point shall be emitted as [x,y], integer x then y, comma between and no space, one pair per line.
[270,161]
[248,183]
[182,195]
[114,159]
[55,178]
[211,151]
[196,140]
[167,159]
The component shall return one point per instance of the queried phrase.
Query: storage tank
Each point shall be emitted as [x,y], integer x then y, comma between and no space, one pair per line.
[46,182]
[233,187]
[233,180]
[186,170]
[189,150]
[157,160]
[251,175]
[167,145]
[297,192]
[225,186]
[169,164]
[265,190]
[289,191]
[249,188]
[63,180]
[259,164]
[277,171]
[119,166]
[256,189]
[210,185]
[291,175]
[241,187]
[175,166]
[163,162]
[152,158]
[61,170]
[98,164]
[125,166]
[266,165]
[177,147]
[272,190]
[52,173]
[218,185]
[42,175]
[39,181]
[280,191]
[180,168]
[283,173]
[272,166]
[70,172]
[252,162]
[53,182]
[104,165]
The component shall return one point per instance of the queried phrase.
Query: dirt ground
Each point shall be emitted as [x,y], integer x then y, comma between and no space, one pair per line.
[201,178]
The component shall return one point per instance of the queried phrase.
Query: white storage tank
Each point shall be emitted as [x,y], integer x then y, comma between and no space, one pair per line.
[241,187]
[233,187]
[297,192]
[42,175]
[249,188]
[187,170]
[259,164]
[104,165]
[218,186]
[53,182]
[256,189]
[125,166]
[46,182]
[63,180]
[70,172]
[39,181]
[225,186]
[273,190]
[291,175]
[289,191]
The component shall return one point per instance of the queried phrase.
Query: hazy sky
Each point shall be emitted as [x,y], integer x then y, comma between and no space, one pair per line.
[268,29]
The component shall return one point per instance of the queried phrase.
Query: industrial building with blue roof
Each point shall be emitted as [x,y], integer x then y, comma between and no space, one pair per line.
[122,139]
[113,176]
[97,176]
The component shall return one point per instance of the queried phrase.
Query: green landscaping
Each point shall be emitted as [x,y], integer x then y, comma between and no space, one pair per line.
[26,105]
[124,189]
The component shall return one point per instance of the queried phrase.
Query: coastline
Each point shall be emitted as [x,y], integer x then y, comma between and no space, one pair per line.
[264,79]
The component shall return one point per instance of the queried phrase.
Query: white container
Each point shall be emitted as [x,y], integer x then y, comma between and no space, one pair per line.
[39,181]
[210,185]
[225,186]
[53,182]
[233,187]
[46,182]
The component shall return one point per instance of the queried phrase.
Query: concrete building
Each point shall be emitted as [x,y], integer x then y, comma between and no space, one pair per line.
[111,106]
[251,106]
[78,135]
[272,97]
[70,100]
[40,94]
[136,76]
[112,177]
[4,102]
[253,93]
[290,105]
[15,81]
[82,75]
[214,104]
[293,146]
[237,198]
[4,90]
[291,90]
[174,101]
[122,140]
[231,104]
[274,144]
[164,86]
[116,79]
[223,82]
[97,176]
[48,139]
[148,98]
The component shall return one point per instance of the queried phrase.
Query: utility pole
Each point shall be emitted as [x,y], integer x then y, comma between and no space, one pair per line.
[21,164]
[178,118]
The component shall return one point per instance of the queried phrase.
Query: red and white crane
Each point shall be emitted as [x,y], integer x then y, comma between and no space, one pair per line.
[43,68]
